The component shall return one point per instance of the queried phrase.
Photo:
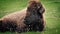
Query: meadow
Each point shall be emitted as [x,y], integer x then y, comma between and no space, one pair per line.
[52,14]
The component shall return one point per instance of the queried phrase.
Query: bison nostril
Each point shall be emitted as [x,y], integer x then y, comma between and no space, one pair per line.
[37,28]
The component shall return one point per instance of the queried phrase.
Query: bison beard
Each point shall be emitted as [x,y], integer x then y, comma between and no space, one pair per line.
[33,21]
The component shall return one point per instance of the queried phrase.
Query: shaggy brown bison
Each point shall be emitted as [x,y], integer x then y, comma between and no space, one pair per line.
[29,19]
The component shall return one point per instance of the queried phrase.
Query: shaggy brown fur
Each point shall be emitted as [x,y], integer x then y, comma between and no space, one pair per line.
[30,19]
[13,21]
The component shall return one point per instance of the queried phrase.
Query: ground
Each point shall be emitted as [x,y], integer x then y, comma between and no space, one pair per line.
[52,14]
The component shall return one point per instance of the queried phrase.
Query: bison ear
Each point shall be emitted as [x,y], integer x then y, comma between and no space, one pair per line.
[42,10]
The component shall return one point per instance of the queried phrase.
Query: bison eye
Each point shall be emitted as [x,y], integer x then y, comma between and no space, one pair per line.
[38,5]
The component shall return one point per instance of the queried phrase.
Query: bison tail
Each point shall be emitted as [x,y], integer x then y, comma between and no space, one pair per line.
[1,29]
[0,22]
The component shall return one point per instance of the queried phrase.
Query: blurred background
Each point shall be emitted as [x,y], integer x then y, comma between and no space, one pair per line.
[52,14]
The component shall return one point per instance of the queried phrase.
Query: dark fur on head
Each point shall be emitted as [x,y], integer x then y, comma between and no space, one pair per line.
[34,16]
[36,7]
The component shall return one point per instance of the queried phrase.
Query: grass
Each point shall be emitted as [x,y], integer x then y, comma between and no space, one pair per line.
[52,14]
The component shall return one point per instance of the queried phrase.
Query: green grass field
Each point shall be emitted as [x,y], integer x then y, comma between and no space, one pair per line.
[52,14]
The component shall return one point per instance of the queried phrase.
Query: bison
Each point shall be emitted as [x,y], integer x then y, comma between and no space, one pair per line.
[28,19]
